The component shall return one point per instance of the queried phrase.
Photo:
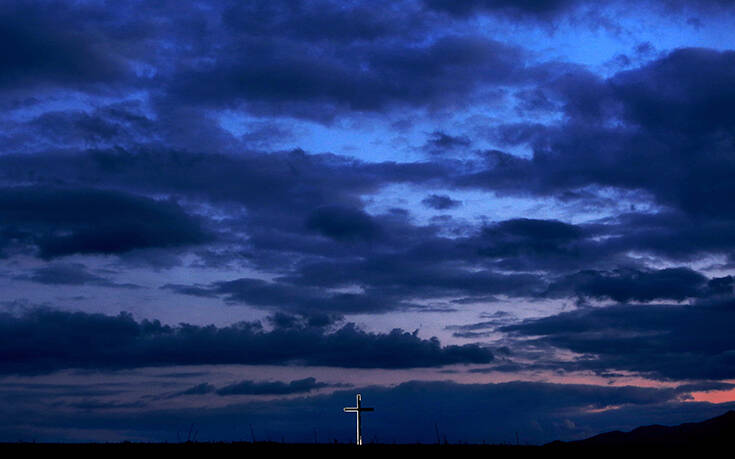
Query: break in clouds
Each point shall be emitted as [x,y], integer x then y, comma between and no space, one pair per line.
[328,185]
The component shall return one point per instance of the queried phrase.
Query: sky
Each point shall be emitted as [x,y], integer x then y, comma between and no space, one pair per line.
[221,220]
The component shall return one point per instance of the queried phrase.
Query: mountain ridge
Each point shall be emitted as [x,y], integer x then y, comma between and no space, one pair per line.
[713,431]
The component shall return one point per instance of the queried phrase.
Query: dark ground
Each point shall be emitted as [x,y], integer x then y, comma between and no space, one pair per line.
[714,436]
[281,450]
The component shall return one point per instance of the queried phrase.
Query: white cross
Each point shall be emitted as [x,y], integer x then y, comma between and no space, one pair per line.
[358,409]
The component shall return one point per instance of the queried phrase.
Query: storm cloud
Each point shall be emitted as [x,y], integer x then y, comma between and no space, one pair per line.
[690,341]
[42,340]
[60,221]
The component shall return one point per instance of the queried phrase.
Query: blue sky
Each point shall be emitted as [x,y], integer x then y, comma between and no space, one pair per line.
[241,213]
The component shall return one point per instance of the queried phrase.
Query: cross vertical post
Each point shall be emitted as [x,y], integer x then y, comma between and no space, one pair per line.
[358,409]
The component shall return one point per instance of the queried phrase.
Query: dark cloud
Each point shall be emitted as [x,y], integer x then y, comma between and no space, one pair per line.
[408,276]
[47,47]
[95,405]
[65,274]
[664,116]
[317,60]
[43,340]
[527,8]
[324,20]
[294,298]
[625,285]
[519,244]
[644,132]
[306,186]
[199,389]
[390,258]
[268,74]
[685,101]
[484,329]
[671,235]
[343,224]
[706,386]
[297,386]
[66,221]
[598,13]
[308,196]
[540,235]
[299,182]
[665,341]
[671,101]
[108,126]
[440,202]
[441,143]
[250,387]
[69,274]
[430,267]
[312,320]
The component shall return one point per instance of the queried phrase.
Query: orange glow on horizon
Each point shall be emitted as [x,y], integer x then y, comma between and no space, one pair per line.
[717,396]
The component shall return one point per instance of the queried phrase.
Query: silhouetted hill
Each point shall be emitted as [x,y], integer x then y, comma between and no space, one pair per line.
[715,431]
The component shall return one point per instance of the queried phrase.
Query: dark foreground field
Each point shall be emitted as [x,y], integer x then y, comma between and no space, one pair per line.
[280,450]
[715,436]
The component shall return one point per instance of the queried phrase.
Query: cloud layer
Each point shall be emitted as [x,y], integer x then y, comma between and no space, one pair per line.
[43,340]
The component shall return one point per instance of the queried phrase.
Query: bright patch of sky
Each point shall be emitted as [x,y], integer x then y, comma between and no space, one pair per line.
[365,138]
[434,323]
[595,36]
[400,137]
[485,207]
